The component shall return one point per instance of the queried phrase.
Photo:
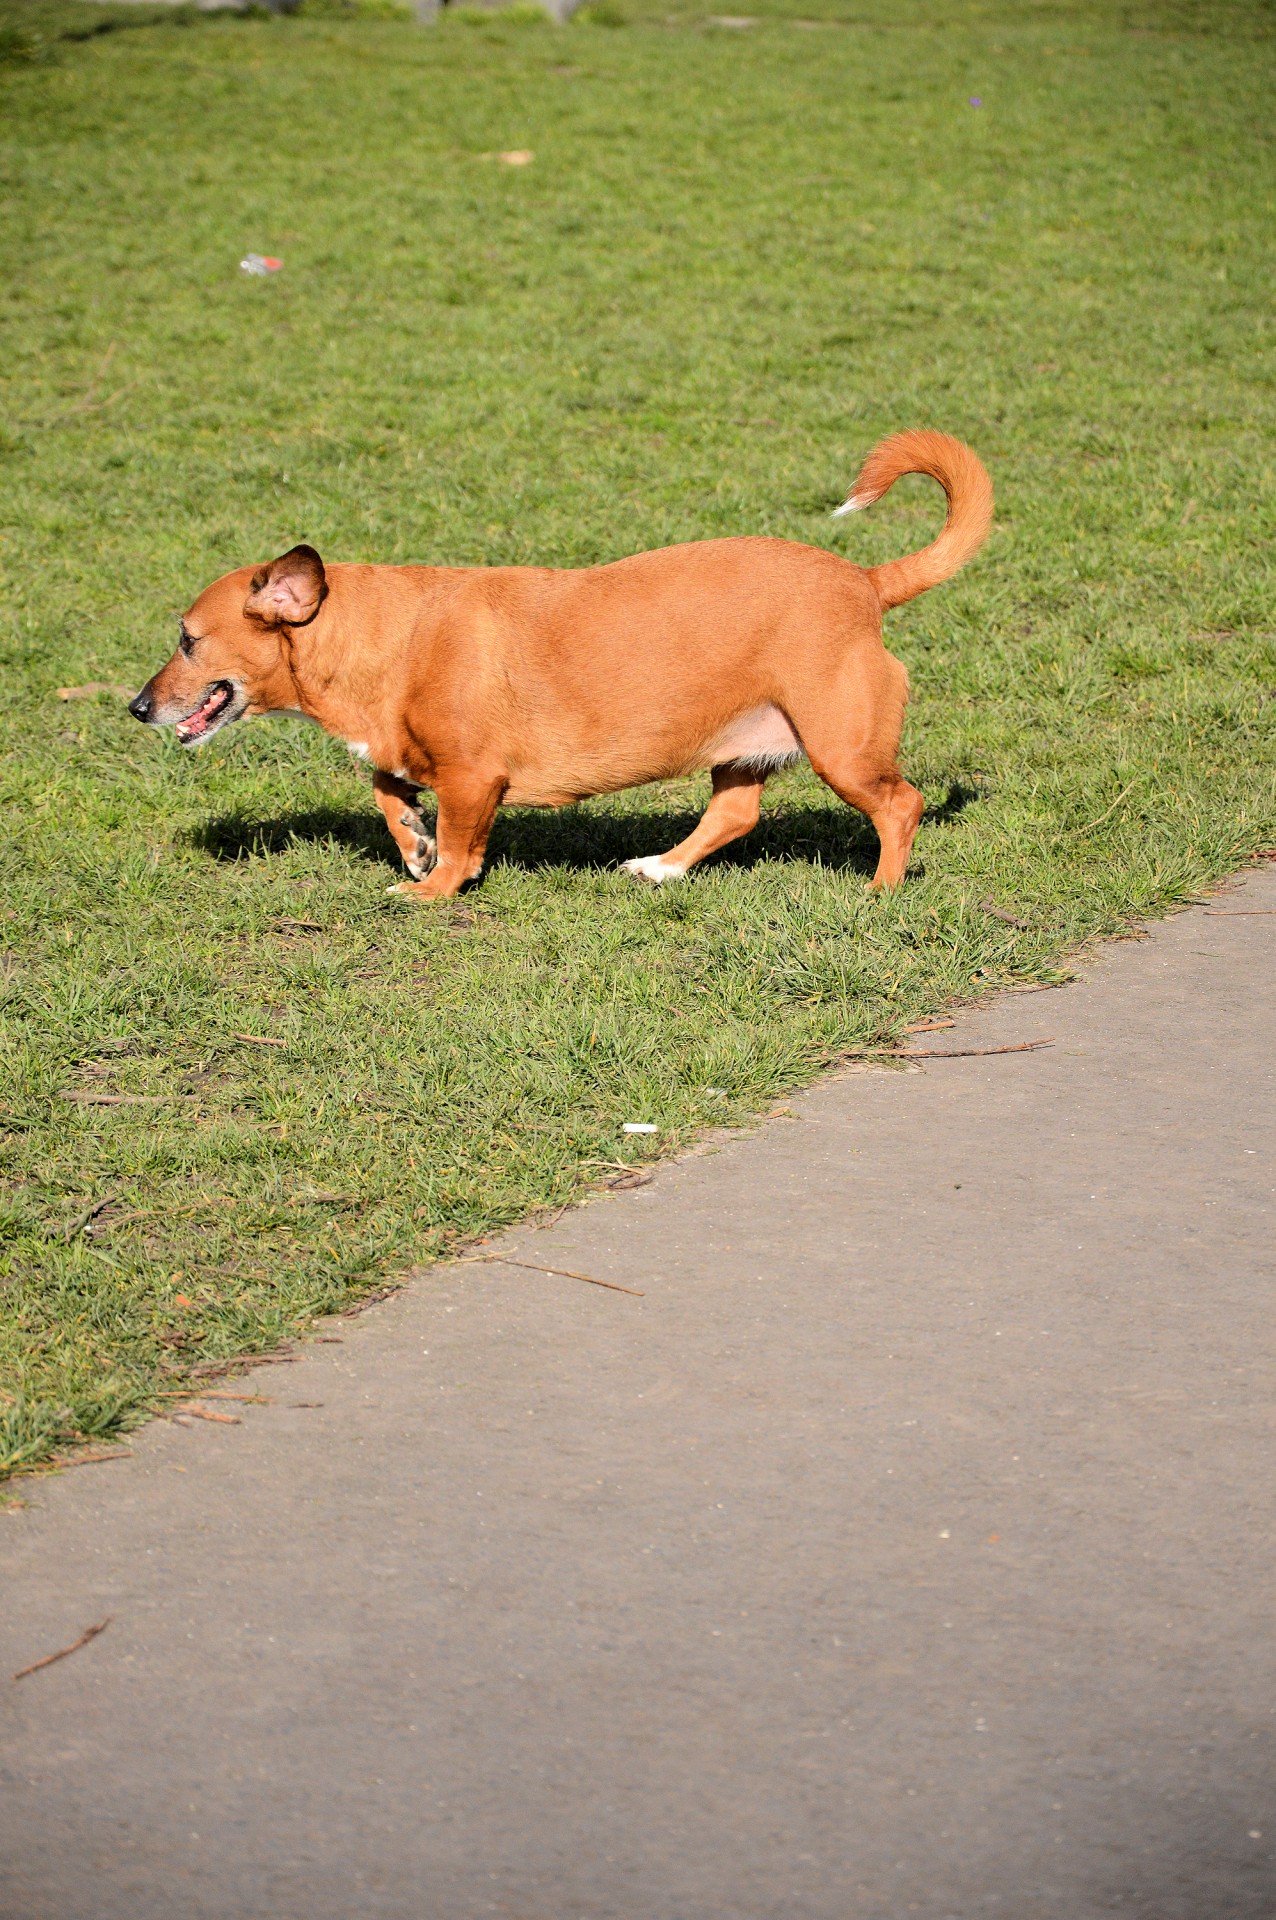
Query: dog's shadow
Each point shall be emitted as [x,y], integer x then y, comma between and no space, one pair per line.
[586,839]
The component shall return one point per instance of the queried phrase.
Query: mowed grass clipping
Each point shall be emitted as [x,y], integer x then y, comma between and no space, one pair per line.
[737,258]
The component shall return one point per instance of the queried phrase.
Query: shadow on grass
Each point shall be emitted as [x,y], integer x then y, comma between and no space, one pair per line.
[585,838]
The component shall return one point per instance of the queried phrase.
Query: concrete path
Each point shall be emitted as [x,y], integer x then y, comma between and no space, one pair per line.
[906,1549]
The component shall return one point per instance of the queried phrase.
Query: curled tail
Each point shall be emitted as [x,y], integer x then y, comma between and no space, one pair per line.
[964,479]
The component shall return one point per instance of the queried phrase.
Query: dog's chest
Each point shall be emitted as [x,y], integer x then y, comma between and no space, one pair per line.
[363,751]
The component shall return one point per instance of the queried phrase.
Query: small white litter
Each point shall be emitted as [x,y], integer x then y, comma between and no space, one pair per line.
[639,1126]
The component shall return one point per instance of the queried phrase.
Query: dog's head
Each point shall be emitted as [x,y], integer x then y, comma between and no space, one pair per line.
[233,656]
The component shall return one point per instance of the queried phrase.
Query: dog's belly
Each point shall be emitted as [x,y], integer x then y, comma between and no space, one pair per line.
[762,737]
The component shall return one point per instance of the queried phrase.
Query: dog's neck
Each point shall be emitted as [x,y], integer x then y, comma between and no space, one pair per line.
[335,672]
[313,657]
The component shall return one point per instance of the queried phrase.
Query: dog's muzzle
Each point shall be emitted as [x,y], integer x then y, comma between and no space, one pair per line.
[142,705]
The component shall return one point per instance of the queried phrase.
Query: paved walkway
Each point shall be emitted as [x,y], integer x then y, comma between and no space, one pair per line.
[906,1549]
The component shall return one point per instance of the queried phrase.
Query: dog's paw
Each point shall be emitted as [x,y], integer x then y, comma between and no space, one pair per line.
[424,852]
[417,890]
[655,869]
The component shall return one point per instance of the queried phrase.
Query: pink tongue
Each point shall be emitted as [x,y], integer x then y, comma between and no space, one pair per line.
[199,719]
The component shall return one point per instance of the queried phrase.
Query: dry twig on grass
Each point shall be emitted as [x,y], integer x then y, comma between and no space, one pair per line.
[86,1460]
[90,1213]
[90,687]
[1002,913]
[121,1099]
[1092,824]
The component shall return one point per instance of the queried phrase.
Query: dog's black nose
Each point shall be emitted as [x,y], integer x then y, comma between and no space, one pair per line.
[140,708]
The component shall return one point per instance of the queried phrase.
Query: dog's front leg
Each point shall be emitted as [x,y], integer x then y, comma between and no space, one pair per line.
[467,808]
[398,802]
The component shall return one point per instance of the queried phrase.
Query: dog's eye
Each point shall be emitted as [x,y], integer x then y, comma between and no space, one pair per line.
[187,643]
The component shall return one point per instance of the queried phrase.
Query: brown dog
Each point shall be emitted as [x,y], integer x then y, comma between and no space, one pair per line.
[540,686]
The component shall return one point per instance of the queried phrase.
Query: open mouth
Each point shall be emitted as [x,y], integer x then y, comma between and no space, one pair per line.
[211,709]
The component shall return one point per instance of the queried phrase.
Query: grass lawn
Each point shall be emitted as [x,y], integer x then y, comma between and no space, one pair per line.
[738,257]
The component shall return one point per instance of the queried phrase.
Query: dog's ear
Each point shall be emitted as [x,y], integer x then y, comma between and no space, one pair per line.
[289,591]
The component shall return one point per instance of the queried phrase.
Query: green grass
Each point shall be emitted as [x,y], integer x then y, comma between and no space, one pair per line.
[738,258]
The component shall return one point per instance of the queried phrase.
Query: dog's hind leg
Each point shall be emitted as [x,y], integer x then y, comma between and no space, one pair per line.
[851,738]
[398,802]
[891,804]
[732,812]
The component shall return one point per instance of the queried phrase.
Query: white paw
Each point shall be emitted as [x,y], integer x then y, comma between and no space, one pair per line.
[653,868]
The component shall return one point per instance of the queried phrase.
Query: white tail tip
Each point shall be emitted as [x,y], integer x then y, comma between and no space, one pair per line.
[854,505]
